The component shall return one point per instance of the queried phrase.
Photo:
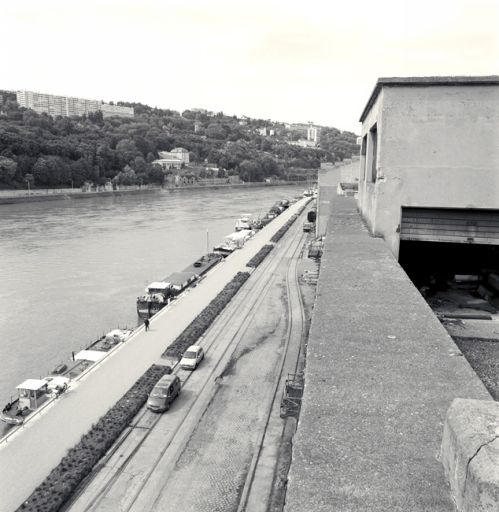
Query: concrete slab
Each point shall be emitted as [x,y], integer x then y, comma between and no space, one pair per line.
[381,373]
[470,454]
[487,329]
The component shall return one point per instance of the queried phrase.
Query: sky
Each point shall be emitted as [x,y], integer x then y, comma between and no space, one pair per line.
[284,60]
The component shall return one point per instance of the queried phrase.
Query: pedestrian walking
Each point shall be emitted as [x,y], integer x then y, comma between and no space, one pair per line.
[146,323]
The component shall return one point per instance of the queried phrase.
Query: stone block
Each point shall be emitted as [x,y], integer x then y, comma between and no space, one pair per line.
[470,454]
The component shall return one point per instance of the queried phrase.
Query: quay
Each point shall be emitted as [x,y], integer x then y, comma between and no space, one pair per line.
[381,374]
[60,426]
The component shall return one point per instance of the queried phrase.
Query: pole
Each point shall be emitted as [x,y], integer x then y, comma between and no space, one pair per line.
[29,190]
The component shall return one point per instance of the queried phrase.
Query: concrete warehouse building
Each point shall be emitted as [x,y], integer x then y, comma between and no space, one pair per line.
[429,169]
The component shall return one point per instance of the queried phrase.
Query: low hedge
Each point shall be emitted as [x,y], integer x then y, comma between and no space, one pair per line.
[62,481]
[259,256]
[279,234]
[200,324]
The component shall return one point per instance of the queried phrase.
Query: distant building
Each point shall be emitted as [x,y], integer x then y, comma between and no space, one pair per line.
[116,110]
[304,143]
[174,159]
[68,106]
[178,153]
[312,133]
[429,163]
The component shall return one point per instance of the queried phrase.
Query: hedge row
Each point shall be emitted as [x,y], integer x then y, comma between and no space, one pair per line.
[278,234]
[200,324]
[259,256]
[62,481]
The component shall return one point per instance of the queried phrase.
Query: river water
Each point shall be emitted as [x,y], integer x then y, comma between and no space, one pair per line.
[71,270]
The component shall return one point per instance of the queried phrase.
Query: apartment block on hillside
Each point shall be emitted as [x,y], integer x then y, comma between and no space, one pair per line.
[68,106]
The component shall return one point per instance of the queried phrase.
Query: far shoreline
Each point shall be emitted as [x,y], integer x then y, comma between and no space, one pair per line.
[47,195]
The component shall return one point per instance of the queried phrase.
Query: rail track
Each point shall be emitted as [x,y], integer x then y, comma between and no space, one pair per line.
[295,301]
[219,343]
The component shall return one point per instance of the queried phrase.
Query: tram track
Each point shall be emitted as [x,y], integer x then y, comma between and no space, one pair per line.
[214,340]
[293,294]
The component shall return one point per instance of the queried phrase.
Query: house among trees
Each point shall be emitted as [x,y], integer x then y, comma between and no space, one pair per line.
[175,159]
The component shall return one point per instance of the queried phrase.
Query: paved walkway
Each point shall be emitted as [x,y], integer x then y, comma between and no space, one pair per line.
[59,427]
[381,373]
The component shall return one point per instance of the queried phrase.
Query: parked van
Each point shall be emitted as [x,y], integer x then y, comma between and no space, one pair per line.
[164,392]
[312,215]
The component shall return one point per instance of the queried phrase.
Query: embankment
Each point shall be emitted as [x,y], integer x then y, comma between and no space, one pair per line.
[48,195]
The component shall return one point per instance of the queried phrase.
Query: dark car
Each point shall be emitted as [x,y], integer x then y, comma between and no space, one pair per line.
[164,392]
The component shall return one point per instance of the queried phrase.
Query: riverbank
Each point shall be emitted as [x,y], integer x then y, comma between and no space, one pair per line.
[13,196]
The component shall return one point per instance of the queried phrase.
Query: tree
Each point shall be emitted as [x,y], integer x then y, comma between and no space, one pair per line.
[249,170]
[50,171]
[126,177]
[140,165]
[8,169]
[156,174]
[126,151]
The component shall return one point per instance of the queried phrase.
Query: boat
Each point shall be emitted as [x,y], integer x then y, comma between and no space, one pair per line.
[157,296]
[233,241]
[244,222]
[94,352]
[31,394]
[160,293]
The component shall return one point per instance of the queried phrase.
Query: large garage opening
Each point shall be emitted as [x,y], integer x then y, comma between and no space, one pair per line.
[452,256]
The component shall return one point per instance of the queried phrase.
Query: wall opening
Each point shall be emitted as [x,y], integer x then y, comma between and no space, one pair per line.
[457,280]
[373,144]
[363,158]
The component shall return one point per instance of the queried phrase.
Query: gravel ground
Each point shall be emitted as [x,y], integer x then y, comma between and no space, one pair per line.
[483,356]
[211,471]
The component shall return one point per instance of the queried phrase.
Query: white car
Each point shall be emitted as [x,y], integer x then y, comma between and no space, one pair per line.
[192,357]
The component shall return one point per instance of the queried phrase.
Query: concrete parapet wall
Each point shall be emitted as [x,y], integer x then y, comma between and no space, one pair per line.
[470,454]
[380,376]
[329,177]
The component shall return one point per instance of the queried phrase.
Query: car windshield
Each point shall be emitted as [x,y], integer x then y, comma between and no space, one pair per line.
[190,355]
[159,392]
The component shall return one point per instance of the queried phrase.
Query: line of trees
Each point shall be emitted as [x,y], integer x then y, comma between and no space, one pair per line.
[65,151]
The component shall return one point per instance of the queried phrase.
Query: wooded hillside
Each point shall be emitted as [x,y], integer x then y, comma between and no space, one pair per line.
[70,151]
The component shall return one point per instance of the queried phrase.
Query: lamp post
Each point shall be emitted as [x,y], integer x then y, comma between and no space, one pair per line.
[28,178]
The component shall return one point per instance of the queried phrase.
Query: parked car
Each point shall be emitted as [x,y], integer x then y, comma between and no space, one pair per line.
[307,226]
[164,393]
[192,357]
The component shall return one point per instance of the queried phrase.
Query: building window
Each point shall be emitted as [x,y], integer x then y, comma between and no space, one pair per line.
[363,159]
[373,136]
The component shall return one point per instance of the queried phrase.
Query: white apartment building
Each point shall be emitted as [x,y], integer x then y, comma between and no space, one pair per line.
[68,106]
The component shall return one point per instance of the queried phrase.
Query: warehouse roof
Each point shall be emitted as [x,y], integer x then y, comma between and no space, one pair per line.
[412,81]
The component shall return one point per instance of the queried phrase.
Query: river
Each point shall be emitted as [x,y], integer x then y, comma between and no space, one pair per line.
[71,270]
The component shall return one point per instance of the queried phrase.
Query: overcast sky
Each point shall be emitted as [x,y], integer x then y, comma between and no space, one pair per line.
[281,60]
